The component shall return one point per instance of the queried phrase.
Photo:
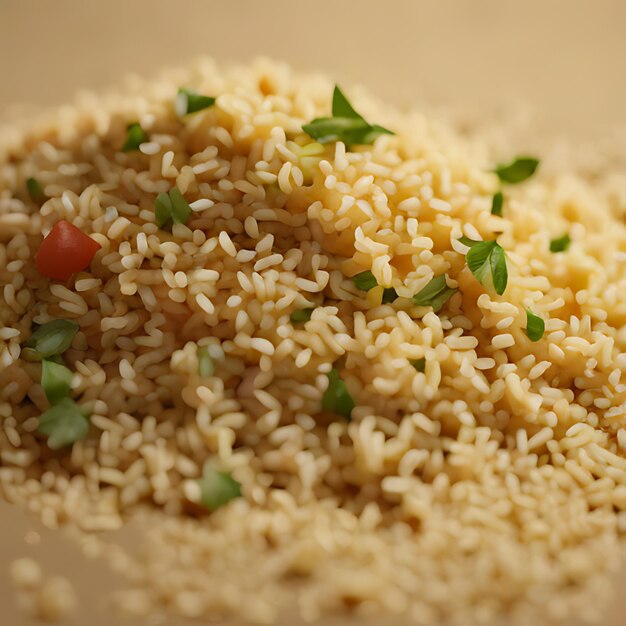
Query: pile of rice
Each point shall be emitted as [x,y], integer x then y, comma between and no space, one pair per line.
[493,482]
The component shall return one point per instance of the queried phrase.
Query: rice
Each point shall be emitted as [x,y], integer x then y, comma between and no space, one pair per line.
[490,483]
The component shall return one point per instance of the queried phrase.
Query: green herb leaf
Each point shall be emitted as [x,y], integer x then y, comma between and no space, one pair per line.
[206,367]
[365,281]
[487,259]
[135,136]
[163,210]
[466,241]
[56,380]
[35,190]
[190,101]
[337,398]
[496,204]
[435,294]
[217,488]
[418,364]
[345,125]
[64,423]
[53,338]
[561,244]
[517,170]
[301,316]
[535,326]
[389,295]
[171,208]
[180,209]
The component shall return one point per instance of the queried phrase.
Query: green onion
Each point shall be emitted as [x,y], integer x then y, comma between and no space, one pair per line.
[435,294]
[217,488]
[135,136]
[190,101]
[52,338]
[35,190]
[496,204]
[487,259]
[535,326]
[345,125]
[171,208]
[64,423]
[561,244]
[56,380]
[365,281]
[301,316]
[206,367]
[337,398]
[517,170]
[418,364]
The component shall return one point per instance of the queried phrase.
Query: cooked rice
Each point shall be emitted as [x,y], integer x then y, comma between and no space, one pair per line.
[493,482]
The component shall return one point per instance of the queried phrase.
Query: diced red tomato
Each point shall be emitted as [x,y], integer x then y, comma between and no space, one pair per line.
[65,251]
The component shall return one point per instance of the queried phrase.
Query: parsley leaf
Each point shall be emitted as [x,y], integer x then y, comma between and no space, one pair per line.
[217,488]
[365,281]
[35,191]
[337,398]
[389,295]
[517,170]
[435,294]
[206,367]
[301,316]
[418,364]
[561,244]
[496,204]
[345,125]
[64,423]
[487,259]
[171,208]
[190,101]
[56,380]
[535,326]
[52,338]
[135,136]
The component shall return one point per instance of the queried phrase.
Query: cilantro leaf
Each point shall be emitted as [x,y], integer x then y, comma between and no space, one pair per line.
[64,423]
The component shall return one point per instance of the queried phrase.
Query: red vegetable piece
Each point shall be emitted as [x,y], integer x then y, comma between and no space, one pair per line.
[65,251]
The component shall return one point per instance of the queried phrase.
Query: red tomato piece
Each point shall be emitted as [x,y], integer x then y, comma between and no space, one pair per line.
[65,251]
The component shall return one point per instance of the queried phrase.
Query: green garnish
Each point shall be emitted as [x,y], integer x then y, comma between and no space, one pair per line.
[435,294]
[35,190]
[418,364]
[217,488]
[56,380]
[64,423]
[345,125]
[135,136]
[487,259]
[301,316]
[337,398]
[535,326]
[206,367]
[365,281]
[517,170]
[171,208]
[561,244]
[190,101]
[389,295]
[52,338]
[496,204]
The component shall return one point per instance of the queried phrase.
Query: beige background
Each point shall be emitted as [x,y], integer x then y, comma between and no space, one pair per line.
[564,58]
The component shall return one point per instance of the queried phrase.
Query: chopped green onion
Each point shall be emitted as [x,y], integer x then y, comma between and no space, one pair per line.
[345,125]
[56,380]
[389,295]
[535,326]
[301,316]
[365,281]
[135,136]
[171,208]
[190,101]
[496,204]
[517,170]
[561,244]
[418,364]
[487,259]
[217,488]
[337,398]
[64,423]
[435,294]
[35,190]
[206,367]
[52,338]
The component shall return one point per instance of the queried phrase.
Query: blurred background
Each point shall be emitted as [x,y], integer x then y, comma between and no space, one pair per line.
[562,60]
